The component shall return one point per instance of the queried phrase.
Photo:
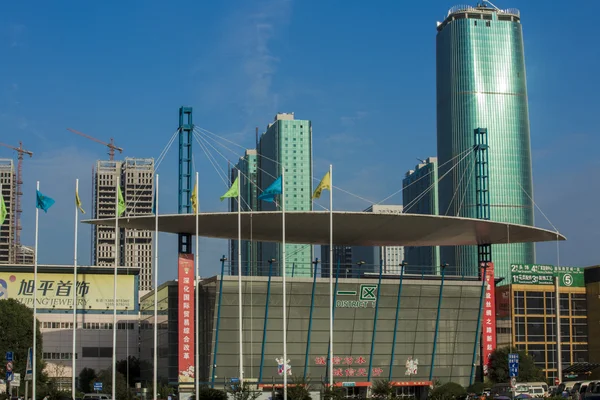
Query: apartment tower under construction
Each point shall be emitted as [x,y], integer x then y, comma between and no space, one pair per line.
[7,230]
[137,185]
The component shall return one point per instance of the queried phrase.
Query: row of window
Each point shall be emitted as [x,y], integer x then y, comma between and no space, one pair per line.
[59,356]
[87,325]
[543,329]
[544,303]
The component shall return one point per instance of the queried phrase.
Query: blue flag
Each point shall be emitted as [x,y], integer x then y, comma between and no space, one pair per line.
[43,202]
[269,193]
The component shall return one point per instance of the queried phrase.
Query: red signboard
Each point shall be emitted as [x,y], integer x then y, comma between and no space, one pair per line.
[186,318]
[489,317]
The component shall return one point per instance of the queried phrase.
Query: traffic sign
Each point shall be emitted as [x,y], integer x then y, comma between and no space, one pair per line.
[556,381]
[348,384]
[513,365]
[9,376]
[28,367]
[9,356]
[97,386]
[9,366]
[16,381]
[513,382]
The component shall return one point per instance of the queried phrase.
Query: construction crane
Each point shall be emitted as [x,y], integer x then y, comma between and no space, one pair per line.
[17,213]
[111,146]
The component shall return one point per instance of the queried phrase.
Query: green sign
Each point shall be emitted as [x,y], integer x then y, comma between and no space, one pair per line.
[534,274]
[367,296]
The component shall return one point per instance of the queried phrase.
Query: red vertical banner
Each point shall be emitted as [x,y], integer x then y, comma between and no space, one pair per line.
[186,318]
[489,317]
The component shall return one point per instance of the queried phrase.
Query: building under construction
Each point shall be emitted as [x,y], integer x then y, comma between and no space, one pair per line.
[8,192]
[137,185]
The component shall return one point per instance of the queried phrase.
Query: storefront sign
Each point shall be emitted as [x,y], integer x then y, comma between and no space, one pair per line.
[186,288]
[489,316]
[55,291]
[534,274]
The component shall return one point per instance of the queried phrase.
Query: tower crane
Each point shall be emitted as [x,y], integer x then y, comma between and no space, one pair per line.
[111,146]
[18,192]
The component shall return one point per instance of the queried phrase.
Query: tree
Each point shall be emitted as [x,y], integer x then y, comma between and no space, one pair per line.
[242,392]
[16,325]
[299,389]
[382,389]
[207,393]
[331,392]
[86,376]
[134,369]
[498,366]
[105,376]
[447,391]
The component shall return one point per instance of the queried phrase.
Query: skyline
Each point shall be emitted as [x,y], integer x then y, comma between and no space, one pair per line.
[367,88]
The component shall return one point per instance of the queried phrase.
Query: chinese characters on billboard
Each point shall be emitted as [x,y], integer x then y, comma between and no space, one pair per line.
[489,316]
[186,287]
[536,274]
[55,290]
[350,366]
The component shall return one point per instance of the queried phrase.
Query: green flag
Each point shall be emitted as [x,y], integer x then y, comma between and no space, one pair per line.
[233,190]
[3,211]
[121,207]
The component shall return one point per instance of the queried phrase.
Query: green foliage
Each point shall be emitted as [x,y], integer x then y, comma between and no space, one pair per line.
[86,376]
[207,393]
[477,388]
[105,376]
[447,391]
[134,370]
[498,369]
[16,325]
[331,392]
[164,390]
[242,392]
[299,389]
[382,389]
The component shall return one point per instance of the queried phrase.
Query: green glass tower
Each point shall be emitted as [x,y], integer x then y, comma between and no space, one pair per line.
[481,84]
[287,143]
[247,165]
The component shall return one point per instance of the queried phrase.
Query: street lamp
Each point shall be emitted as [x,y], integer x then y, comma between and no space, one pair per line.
[271,261]
[358,265]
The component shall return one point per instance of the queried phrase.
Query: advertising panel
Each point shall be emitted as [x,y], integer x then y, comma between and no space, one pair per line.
[55,290]
[186,318]
[535,274]
[489,317]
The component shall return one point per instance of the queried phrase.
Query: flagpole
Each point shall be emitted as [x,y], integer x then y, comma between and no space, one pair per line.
[117,245]
[330,276]
[283,284]
[35,270]
[197,316]
[73,378]
[239,257]
[155,366]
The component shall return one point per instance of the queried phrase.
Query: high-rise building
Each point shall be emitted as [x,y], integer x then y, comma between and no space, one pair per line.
[356,260]
[247,165]
[7,230]
[481,83]
[287,143]
[420,196]
[137,185]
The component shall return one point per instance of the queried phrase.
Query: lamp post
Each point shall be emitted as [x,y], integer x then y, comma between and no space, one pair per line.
[358,265]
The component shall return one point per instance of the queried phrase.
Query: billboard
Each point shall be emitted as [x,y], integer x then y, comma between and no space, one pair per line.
[186,319]
[488,337]
[55,290]
[535,274]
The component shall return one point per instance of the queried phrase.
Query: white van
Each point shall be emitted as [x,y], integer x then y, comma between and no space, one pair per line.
[96,396]
[538,389]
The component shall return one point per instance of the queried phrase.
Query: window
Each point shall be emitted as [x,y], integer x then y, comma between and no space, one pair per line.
[580,330]
[565,330]
[520,303]
[535,329]
[550,329]
[520,329]
[535,303]
[564,304]
[538,353]
[550,303]
[578,304]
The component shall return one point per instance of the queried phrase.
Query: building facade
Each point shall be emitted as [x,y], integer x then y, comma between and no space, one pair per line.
[287,143]
[481,83]
[7,230]
[94,314]
[137,185]
[526,315]
[420,196]
[247,165]
[592,289]
[362,353]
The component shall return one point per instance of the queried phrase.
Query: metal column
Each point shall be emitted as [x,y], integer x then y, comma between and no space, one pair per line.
[186,128]
[310,318]
[403,266]
[214,366]
[337,276]
[264,339]
[375,321]
[437,322]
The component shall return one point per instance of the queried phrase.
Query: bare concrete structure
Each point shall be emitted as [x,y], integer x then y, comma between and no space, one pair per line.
[137,186]
[7,230]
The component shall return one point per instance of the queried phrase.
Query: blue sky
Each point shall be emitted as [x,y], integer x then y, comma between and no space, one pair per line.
[364,73]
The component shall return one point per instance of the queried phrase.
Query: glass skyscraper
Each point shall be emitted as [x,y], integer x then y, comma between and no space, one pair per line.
[287,143]
[481,84]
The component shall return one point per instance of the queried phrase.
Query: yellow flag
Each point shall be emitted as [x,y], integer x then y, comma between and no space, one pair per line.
[194,199]
[78,202]
[325,184]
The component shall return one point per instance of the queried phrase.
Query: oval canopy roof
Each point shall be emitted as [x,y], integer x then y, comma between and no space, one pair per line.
[349,228]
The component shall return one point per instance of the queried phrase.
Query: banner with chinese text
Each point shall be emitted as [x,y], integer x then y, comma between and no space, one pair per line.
[536,274]
[55,290]
[488,337]
[186,318]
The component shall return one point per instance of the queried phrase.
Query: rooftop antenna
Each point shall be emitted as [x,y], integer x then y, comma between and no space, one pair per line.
[491,4]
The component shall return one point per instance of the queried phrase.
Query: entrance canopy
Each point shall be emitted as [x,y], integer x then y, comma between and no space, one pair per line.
[349,228]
